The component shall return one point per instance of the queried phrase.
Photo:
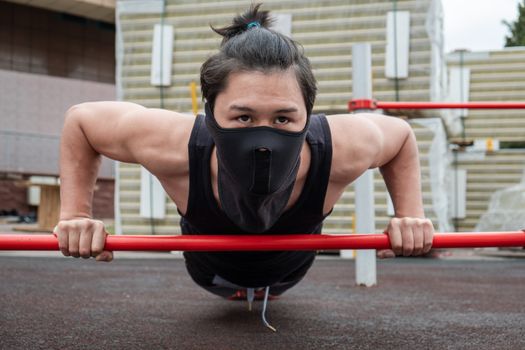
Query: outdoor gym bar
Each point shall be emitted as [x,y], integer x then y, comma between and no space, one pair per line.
[373,104]
[266,242]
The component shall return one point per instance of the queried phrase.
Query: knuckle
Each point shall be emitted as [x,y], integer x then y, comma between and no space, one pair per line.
[96,249]
[84,252]
[99,226]
[72,234]
[75,226]
[395,222]
[406,222]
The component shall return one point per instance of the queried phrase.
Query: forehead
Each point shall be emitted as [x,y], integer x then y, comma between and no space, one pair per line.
[268,87]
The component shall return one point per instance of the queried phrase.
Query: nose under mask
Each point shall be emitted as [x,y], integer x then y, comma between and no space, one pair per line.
[262,163]
[257,171]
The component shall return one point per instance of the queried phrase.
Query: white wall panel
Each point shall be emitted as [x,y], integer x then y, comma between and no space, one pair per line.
[162,55]
[152,196]
[397,44]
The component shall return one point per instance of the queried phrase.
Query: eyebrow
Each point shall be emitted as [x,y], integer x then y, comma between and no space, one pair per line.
[248,109]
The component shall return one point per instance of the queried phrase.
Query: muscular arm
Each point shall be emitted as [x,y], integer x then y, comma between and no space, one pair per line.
[119,130]
[402,174]
[365,141]
[79,166]
[123,131]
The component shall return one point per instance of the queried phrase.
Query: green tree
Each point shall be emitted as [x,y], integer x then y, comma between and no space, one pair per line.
[516,28]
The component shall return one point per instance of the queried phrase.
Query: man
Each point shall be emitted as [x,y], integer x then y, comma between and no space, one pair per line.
[257,162]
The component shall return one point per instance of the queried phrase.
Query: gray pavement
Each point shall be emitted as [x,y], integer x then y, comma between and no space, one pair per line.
[65,303]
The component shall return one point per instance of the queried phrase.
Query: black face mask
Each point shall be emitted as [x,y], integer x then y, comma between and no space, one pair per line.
[257,171]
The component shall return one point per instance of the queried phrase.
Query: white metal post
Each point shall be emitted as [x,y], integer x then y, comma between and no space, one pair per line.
[365,266]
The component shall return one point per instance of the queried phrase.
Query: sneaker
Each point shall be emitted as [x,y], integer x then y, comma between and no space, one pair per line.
[242,294]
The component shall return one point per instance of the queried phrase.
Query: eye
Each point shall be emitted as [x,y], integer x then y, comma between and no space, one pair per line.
[281,120]
[244,119]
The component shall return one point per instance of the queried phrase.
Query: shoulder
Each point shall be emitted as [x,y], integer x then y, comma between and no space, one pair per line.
[162,138]
[355,143]
[360,141]
[161,117]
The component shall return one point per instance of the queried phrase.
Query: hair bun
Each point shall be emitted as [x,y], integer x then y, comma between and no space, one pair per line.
[252,18]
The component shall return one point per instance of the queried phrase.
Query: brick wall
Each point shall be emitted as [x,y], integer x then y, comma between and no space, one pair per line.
[40,41]
[103,199]
[14,196]
[49,61]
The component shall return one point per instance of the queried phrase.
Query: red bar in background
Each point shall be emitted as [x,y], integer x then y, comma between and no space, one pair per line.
[372,104]
[266,242]
[450,105]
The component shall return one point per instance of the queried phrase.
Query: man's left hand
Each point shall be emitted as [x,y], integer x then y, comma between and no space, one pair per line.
[408,237]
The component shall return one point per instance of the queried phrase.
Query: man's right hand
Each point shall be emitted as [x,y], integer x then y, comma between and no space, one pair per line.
[83,237]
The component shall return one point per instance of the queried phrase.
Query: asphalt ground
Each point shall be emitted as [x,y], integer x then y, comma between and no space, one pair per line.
[65,303]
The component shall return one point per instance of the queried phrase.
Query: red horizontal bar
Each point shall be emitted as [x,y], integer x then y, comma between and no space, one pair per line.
[266,242]
[450,105]
[372,104]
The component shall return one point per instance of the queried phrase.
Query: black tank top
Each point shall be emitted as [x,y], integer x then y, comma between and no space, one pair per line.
[204,216]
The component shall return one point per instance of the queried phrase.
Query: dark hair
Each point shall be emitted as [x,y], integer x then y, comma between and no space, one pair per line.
[248,44]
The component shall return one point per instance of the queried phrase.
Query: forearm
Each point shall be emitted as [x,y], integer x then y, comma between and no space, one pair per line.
[79,165]
[403,179]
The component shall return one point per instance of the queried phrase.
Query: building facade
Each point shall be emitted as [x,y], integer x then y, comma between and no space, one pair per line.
[65,54]
[497,159]
[327,30]
[51,58]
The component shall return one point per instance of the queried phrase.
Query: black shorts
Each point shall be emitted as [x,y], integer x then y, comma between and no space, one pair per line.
[215,284]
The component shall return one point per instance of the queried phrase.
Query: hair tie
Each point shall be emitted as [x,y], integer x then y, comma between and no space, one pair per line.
[253,24]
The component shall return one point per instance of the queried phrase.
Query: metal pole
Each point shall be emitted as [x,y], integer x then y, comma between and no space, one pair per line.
[365,267]
[265,242]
